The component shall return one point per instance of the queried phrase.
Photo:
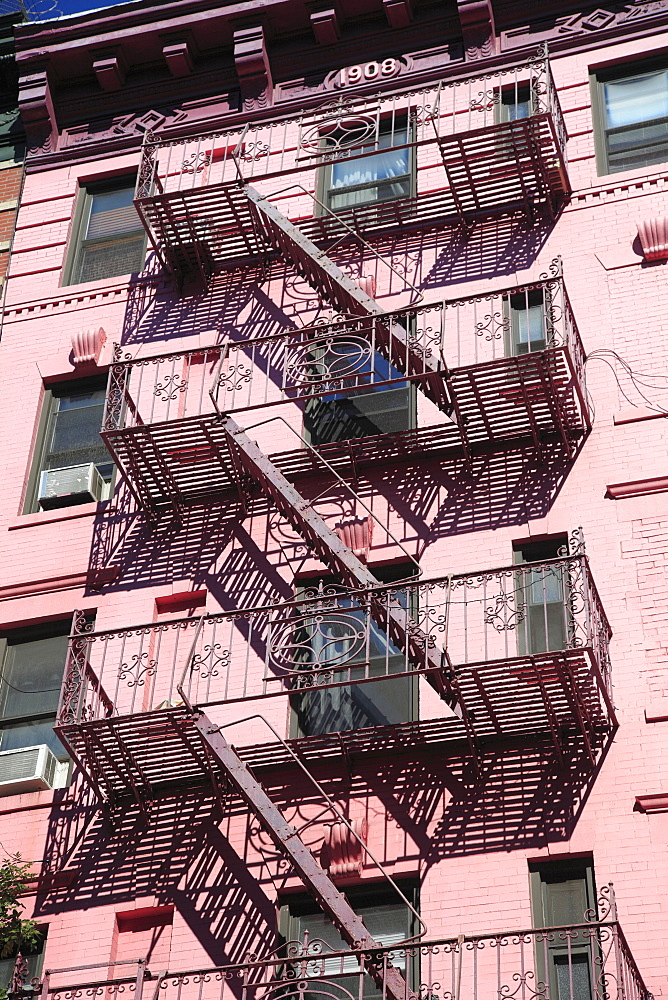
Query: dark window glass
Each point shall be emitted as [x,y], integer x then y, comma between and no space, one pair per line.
[32,675]
[383,176]
[360,412]
[543,596]
[111,237]
[563,894]
[634,108]
[326,641]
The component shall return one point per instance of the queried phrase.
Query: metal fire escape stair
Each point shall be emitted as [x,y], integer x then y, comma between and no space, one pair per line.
[333,284]
[327,545]
[334,904]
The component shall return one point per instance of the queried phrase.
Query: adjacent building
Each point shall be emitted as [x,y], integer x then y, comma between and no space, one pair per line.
[334,532]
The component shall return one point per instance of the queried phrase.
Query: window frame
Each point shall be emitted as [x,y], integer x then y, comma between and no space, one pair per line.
[77,239]
[27,990]
[60,628]
[608,74]
[360,895]
[386,574]
[324,179]
[524,586]
[573,869]
[53,391]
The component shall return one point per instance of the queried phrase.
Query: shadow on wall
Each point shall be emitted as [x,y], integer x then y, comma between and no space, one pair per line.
[181,857]
[256,301]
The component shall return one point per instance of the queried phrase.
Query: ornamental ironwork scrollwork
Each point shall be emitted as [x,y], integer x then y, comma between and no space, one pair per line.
[170,387]
[506,613]
[234,378]
[75,670]
[196,162]
[339,129]
[253,151]
[485,100]
[329,361]
[494,326]
[319,637]
[138,670]
[210,661]
[524,988]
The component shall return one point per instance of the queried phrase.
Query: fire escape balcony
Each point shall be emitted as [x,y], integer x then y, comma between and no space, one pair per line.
[591,960]
[454,153]
[493,372]
[521,651]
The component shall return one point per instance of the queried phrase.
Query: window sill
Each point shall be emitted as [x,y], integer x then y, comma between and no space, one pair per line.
[638,173]
[637,488]
[62,514]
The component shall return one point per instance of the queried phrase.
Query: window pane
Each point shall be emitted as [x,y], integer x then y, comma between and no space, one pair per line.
[112,213]
[573,977]
[75,437]
[107,260]
[640,99]
[375,178]
[32,676]
[527,322]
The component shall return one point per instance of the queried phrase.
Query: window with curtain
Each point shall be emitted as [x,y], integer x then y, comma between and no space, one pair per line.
[328,638]
[109,239]
[382,176]
[633,119]
[544,593]
[527,323]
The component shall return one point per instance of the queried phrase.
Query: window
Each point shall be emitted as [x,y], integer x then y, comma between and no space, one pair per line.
[526,329]
[69,443]
[632,118]
[515,103]
[387,919]
[352,180]
[563,894]
[360,412]
[28,968]
[325,638]
[542,593]
[109,239]
[33,662]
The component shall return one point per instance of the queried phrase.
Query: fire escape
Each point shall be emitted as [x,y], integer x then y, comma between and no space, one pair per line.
[172,424]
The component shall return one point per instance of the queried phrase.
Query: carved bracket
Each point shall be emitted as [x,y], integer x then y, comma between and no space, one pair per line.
[345,854]
[356,533]
[252,64]
[478,30]
[325,25]
[653,235]
[87,346]
[399,13]
[180,55]
[110,69]
[37,111]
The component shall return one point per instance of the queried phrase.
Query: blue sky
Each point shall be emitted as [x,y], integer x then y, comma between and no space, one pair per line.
[75,6]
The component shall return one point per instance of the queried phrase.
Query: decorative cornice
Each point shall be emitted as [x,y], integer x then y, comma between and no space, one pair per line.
[653,234]
[252,63]
[110,69]
[399,13]
[325,25]
[478,30]
[87,346]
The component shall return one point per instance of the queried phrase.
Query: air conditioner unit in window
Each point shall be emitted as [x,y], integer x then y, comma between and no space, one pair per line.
[29,769]
[71,485]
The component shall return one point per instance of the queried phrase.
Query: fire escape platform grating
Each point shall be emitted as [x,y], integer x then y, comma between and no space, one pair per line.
[522,698]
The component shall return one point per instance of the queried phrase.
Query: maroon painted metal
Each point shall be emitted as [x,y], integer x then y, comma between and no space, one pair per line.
[315,878]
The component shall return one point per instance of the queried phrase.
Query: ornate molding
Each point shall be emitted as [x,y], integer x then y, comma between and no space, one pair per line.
[478,30]
[87,346]
[37,111]
[356,533]
[252,64]
[325,25]
[653,234]
[179,54]
[110,69]
[345,853]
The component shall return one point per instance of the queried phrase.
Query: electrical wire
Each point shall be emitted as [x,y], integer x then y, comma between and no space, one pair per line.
[637,379]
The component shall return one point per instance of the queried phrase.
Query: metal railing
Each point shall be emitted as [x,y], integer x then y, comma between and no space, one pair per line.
[350,356]
[586,961]
[332,638]
[350,127]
